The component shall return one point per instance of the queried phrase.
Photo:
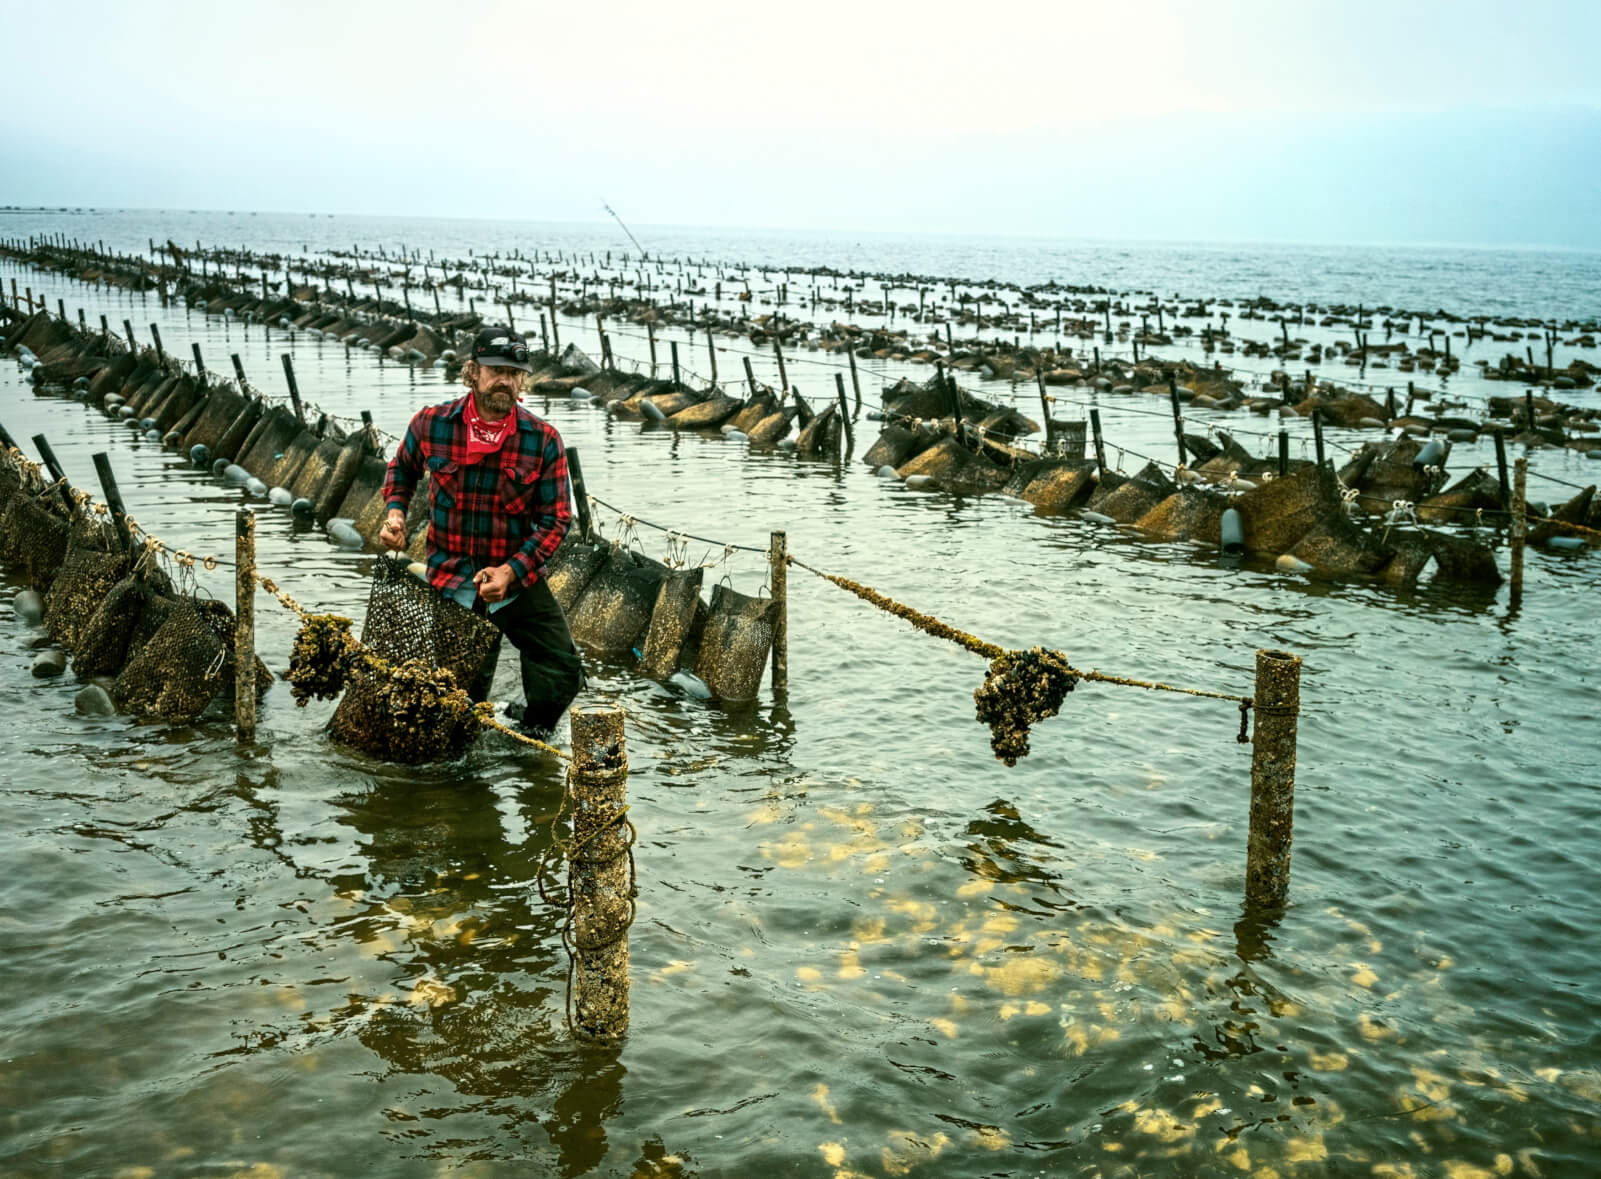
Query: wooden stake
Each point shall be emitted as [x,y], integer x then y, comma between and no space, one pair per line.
[778,579]
[1277,704]
[599,873]
[1520,525]
[108,486]
[244,633]
[294,388]
[575,471]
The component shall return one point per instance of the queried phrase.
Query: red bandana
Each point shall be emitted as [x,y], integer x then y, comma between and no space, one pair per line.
[485,437]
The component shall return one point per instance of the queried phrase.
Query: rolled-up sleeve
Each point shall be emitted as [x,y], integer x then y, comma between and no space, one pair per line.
[405,468]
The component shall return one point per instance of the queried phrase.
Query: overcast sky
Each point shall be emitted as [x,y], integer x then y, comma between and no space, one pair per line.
[1471,122]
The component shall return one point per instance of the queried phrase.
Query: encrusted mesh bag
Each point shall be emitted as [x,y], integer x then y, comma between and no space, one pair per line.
[108,634]
[430,661]
[186,662]
[93,565]
[33,538]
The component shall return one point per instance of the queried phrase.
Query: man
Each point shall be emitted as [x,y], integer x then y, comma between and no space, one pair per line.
[498,478]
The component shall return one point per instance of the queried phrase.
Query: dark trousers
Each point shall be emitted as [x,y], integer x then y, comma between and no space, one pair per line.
[552,670]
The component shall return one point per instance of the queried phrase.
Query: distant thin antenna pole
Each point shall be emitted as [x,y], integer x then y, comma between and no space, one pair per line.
[643,255]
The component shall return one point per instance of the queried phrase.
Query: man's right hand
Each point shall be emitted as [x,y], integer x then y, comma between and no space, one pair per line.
[393,534]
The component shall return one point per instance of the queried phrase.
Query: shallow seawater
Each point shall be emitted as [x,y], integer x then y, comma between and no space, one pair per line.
[863,946]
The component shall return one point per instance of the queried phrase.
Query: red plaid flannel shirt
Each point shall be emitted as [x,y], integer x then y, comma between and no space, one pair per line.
[509,508]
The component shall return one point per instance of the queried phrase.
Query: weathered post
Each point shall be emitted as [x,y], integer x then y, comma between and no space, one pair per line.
[108,486]
[844,412]
[677,375]
[1284,453]
[1500,469]
[1277,704]
[650,335]
[1528,410]
[783,376]
[239,371]
[778,578]
[1520,525]
[1178,418]
[580,493]
[711,353]
[294,388]
[1045,408]
[200,363]
[244,631]
[1317,435]
[155,334]
[1100,443]
[133,345]
[856,384]
[600,871]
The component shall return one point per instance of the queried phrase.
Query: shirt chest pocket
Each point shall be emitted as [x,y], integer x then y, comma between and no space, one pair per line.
[444,477]
[519,487]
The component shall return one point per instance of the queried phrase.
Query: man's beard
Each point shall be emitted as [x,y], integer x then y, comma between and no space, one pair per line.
[496,403]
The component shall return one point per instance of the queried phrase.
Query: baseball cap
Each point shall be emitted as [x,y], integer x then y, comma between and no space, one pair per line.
[500,347]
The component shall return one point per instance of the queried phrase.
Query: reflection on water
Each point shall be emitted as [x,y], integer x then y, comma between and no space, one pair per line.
[863,947]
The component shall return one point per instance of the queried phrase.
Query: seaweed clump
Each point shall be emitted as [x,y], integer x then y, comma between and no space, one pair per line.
[1020,689]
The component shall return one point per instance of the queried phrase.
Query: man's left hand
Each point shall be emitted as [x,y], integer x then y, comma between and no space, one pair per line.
[494,583]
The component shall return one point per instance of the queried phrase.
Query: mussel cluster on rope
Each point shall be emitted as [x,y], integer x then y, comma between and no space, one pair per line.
[1020,689]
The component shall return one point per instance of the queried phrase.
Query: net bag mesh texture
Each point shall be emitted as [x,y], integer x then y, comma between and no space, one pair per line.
[108,634]
[33,539]
[90,570]
[185,664]
[397,705]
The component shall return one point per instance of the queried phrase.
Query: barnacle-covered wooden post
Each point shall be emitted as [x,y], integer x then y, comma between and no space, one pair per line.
[1277,704]
[778,578]
[1520,526]
[244,634]
[600,873]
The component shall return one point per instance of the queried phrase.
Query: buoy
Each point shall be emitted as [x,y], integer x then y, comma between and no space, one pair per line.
[147,423]
[887,472]
[1370,423]
[171,439]
[690,685]
[200,454]
[1463,435]
[874,415]
[81,383]
[1097,518]
[737,436]
[234,473]
[111,402]
[255,486]
[1232,530]
[49,664]
[29,607]
[922,483]
[652,411]
[93,701]
[344,535]
[1566,544]
[218,467]
[303,507]
[126,412]
[1289,564]
[786,444]
[280,497]
[1432,455]
[152,435]
[578,392]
